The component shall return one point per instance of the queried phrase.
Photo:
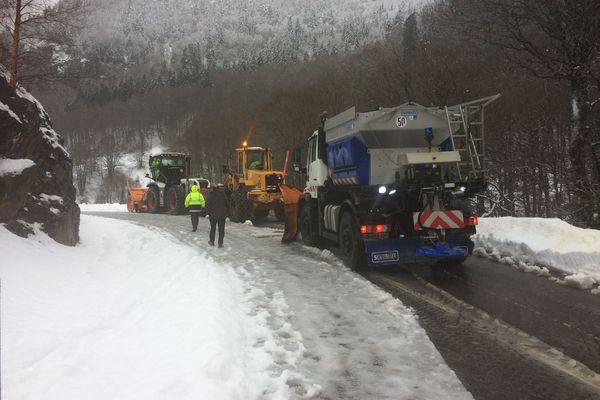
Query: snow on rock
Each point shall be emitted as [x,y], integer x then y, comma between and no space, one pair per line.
[52,137]
[536,244]
[154,319]
[50,198]
[13,167]
[44,168]
[4,107]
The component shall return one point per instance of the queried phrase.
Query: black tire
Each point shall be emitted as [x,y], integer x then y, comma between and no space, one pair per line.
[308,228]
[280,213]
[259,215]
[175,200]
[240,206]
[153,200]
[352,249]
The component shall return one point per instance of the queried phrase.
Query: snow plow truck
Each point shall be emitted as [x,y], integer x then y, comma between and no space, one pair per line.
[170,184]
[392,185]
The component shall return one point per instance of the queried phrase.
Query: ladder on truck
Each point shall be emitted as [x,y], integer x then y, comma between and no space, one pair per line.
[467,134]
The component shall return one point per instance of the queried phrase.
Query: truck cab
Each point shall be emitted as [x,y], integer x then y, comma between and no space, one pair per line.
[316,163]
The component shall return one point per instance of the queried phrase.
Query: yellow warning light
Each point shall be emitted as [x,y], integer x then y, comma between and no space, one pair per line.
[245,144]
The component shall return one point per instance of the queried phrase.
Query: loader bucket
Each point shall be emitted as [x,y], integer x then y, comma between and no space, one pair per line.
[291,196]
[135,200]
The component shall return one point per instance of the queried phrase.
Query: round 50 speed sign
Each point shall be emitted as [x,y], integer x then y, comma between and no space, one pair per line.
[401,122]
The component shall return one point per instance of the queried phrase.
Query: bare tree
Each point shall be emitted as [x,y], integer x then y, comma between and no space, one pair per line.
[39,33]
[552,39]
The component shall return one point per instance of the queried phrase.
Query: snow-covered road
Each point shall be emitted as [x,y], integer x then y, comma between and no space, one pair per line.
[153,312]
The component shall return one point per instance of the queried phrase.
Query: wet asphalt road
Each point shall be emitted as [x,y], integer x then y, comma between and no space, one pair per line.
[563,317]
[488,367]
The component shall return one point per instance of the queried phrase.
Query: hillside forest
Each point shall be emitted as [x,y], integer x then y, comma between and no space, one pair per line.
[121,77]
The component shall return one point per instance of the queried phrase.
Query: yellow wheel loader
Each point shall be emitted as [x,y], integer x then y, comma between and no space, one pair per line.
[254,185]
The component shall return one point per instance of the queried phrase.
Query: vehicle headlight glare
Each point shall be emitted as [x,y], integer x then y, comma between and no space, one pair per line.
[382,189]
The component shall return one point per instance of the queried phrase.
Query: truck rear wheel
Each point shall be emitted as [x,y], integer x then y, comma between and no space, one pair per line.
[259,215]
[351,246]
[153,200]
[175,200]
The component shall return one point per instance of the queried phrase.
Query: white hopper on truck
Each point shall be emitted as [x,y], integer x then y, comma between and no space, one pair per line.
[393,185]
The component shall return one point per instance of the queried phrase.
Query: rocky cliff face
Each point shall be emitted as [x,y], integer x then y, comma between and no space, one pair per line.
[36,181]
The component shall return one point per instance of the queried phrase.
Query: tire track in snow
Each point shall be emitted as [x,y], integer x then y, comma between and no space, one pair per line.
[360,342]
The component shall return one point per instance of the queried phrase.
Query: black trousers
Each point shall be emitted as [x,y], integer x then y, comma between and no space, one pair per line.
[194,216]
[213,226]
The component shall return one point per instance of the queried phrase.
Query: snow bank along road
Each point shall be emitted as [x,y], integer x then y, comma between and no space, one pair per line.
[348,338]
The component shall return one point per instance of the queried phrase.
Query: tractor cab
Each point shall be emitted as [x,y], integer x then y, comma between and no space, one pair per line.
[170,174]
[169,167]
[253,185]
[251,160]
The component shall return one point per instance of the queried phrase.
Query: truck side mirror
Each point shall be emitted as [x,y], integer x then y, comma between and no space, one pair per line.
[299,168]
[297,159]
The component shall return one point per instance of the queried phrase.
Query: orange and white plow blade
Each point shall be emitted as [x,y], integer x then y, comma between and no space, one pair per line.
[291,196]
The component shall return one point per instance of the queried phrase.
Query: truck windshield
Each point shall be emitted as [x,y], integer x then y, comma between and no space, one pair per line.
[172,161]
[255,159]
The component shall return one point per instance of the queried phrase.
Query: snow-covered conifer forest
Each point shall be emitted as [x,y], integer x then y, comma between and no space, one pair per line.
[200,76]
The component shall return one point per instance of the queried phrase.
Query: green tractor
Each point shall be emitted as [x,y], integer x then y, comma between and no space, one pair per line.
[170,174]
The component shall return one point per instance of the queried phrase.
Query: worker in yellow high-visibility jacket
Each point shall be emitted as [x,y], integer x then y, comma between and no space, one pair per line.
[195,202]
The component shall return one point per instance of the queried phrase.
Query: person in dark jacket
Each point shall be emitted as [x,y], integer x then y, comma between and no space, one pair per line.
[217,207]
[195,202]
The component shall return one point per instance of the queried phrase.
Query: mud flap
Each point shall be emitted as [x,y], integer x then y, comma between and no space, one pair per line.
[390,251]
[291,196]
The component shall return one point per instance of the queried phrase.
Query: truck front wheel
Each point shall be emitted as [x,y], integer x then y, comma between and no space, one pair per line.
[153,200]
[351,246]
[240,206]
[307,228]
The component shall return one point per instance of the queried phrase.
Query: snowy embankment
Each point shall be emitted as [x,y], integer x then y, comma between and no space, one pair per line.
[127,314]
[115,207]
[536,244]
